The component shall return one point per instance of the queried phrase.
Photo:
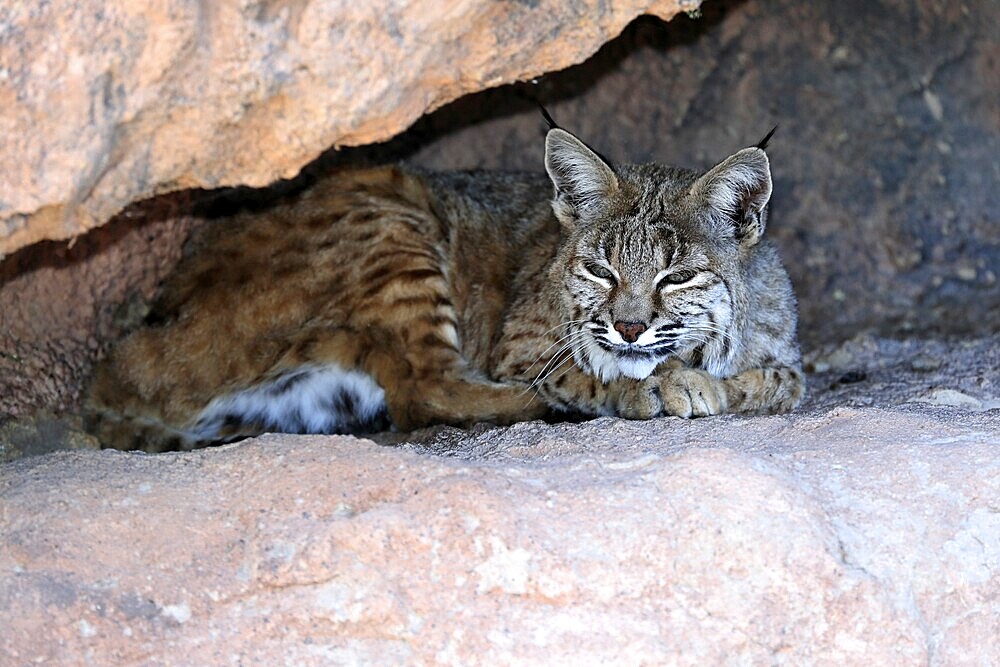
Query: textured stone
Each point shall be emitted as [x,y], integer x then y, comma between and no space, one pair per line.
[852,536]
[42,433]
[106,103]
[62,305]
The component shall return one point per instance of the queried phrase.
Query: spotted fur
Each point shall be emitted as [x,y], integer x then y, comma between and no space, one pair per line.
[393,296]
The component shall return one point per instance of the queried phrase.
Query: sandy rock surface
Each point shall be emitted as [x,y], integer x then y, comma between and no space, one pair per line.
[846,536]
[106,103]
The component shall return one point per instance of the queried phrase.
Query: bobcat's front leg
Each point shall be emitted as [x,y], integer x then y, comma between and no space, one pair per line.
[673,390]
[765,390]
[687,392]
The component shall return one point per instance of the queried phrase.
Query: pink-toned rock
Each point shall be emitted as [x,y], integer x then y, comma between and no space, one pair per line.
[62,305]
[848,537]
[106,103]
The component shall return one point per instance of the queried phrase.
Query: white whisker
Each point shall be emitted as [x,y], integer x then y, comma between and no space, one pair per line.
[538,383]
[567,345]
[705,328]
[564,372]
[562,338]
[562,324]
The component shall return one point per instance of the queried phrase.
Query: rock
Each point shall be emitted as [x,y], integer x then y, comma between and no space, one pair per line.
[42,433]
[958,399]
[62,306]
[830,358]
[853,536]
[106,103]
[925,363]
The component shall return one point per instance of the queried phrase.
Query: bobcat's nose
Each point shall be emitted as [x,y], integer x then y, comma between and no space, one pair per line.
[630,331]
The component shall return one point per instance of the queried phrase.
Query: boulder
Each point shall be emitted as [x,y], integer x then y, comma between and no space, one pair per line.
[848,536]
[106,103]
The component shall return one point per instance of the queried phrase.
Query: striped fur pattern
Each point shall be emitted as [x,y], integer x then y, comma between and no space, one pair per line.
[393,297]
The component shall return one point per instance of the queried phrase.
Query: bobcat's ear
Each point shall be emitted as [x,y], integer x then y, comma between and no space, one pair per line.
[583,181]
[738,189]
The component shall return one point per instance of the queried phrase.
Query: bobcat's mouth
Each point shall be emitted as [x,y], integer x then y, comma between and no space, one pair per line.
[633,351]
[633,361]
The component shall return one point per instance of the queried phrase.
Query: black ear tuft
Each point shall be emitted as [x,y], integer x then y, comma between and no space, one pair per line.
[762,144]
[546,116]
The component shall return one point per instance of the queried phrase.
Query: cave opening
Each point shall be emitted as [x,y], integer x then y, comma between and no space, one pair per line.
[884,205]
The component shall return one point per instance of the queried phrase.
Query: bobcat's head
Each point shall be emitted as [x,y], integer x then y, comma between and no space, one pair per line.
[652,259]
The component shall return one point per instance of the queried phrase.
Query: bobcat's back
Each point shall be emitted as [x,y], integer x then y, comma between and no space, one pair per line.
[302,318]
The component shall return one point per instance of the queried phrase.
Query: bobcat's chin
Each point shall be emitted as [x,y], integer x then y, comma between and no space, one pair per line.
[608,365]
[638,368]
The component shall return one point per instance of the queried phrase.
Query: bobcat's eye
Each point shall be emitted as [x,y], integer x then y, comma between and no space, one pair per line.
[599,271]
[676,278]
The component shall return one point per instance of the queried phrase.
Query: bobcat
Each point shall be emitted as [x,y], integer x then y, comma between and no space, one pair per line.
[396,297]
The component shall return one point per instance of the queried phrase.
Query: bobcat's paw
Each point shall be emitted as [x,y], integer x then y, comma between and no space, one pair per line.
[765,390]
[681,392]
[639,399]
[687,392]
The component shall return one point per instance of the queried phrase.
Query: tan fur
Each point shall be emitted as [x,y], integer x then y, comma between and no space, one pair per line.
[449,290]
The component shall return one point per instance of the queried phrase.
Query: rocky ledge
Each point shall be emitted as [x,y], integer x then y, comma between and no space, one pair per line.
[109,102]
[846,533]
